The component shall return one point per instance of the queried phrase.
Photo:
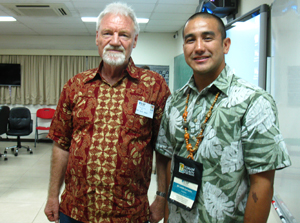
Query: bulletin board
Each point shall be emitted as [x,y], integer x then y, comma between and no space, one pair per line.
[162,70]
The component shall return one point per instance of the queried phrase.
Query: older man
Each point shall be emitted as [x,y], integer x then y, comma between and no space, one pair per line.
[104,131]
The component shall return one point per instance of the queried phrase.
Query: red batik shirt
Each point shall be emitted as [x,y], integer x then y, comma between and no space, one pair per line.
[110,160]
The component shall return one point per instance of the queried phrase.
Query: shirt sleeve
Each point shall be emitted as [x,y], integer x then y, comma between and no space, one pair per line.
[61,125]
[163,144]
[162,96]
[263,145]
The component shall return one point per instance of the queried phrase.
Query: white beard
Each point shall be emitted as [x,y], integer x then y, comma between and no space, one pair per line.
[114,58]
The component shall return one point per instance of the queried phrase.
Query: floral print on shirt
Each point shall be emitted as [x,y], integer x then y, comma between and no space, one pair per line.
[241,137]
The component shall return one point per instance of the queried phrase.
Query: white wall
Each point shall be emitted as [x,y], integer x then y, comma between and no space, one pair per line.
[247,5]
[152,48]
[156,49]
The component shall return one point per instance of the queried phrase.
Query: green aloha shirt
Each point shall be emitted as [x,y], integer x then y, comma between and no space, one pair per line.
[241,137]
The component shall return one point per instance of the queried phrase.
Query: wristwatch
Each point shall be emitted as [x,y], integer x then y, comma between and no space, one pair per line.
[162,194]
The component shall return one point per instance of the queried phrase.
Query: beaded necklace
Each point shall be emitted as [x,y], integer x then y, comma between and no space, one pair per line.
[200,137]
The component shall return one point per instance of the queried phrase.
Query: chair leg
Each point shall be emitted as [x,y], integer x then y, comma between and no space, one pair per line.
[16,148]
[36,137]
[12,149]
[4,155]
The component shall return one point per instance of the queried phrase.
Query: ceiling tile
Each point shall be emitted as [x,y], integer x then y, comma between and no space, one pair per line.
[165,16]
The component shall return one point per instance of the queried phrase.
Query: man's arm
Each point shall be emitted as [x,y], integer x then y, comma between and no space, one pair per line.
[168,183]
[260,197]
[157,208]
[59,164]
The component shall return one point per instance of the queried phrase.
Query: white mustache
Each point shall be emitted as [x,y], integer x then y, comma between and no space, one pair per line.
[109,47]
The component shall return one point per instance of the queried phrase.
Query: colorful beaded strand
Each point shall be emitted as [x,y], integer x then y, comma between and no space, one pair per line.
[200,136]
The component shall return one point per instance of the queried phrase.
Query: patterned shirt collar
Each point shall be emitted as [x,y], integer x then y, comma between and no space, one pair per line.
[131,70]
[222,82]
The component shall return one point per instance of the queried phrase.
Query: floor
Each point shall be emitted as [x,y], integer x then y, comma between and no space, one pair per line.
[24,184]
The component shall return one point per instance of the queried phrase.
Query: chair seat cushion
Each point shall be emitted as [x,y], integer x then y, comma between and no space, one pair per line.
[18,132]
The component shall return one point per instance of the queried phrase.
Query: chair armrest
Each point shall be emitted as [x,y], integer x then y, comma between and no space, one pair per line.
[31,125]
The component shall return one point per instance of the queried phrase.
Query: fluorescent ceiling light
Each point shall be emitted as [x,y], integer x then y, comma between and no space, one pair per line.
[142,20]
[89,19]
[94,19]
[7,19]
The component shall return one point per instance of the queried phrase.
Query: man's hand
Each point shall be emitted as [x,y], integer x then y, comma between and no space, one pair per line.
[157,209]
[59,164]
[52,209]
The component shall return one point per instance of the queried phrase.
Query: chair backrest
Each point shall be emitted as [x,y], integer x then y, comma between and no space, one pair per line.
[19,118]
[4,114]
[45,113]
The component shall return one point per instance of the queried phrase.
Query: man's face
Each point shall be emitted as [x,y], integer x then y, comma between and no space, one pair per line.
[204,48]
[115,39]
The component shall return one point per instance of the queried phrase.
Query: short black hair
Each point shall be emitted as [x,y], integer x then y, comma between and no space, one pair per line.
[208,16]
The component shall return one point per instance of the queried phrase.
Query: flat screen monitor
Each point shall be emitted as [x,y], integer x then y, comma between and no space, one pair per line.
[247,55]
[10,74]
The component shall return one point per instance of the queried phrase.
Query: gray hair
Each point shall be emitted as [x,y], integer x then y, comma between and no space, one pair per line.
[121,9]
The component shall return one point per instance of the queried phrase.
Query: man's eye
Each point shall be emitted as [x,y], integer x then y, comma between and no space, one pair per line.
[124,35]
[189,40]
[208,38]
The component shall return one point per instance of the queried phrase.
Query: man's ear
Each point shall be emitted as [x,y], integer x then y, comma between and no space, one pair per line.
[96,38]
[226,45]
[135,40]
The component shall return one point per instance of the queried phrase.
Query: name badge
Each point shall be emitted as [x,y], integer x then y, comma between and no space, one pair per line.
[185,182]
[184,192]
[144,109]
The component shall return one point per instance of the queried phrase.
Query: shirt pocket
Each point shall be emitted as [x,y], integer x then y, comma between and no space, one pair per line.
[137,123]
[84,111]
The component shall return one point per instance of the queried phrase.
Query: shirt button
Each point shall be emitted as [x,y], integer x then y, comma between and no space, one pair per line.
[195,120]
[194,138]
[198,102]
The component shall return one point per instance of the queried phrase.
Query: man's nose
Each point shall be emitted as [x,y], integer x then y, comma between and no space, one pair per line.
[199,45]
[115,41]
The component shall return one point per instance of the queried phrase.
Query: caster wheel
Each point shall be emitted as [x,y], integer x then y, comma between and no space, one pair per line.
[31,152]
[5,151]
[16,154]
[5,158]
[12,149]
[28,149]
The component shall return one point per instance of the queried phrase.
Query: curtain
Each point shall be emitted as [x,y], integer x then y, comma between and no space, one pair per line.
[42,77]
[93,62]
[62,69]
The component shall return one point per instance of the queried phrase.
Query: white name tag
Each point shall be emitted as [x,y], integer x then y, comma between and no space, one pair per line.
[184,192]
[144,109]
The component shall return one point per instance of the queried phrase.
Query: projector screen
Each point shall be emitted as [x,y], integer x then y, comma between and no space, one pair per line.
[247,55]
